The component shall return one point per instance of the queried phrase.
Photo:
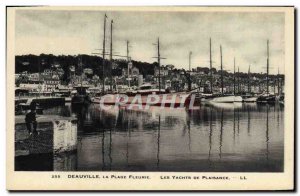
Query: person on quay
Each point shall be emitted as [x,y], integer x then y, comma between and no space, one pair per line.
[30,119]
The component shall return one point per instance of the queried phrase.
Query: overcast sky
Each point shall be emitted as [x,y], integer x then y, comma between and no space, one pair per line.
[242,35]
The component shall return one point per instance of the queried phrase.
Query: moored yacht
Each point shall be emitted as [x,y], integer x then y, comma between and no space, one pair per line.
[146,89]
[267,97]
[227,99]
[249,97]
[147,94]
[223,98]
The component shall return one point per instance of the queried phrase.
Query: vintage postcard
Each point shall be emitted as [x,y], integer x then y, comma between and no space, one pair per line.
[150,98]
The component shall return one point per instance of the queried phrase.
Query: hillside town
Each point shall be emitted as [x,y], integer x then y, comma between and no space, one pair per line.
[51,81]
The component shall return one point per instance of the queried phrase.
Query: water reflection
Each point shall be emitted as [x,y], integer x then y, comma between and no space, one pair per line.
[221,134]
[210,135]
[230,137]
[267,134]
[103,161]
[249,121]
[158,142]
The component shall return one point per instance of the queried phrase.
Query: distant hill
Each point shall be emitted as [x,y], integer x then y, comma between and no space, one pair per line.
[34,63]
[31,64]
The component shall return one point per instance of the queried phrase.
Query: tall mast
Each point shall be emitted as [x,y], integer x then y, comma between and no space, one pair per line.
[267,66]
[249,87]
[278,82]
[274,86]
[127,50]
[158,61]
[127,55]
[190,55]
[239,86]
[222,84]
[103,55]
[111,45]
[210,63]
[81,69]
[234,76]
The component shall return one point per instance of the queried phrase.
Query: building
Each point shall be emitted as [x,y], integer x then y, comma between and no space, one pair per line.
[88,71]
[59,71]
[34,77]
[170,67]
[48,72]
[164,71]
[32,86]
[72,68]
[133,71]
[51,83]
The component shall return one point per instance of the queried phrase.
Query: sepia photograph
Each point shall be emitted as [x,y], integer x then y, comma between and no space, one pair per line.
[145,94]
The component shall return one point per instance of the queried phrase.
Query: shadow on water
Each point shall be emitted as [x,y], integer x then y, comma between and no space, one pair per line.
[158,142]
[267,134]
[223,138]
[210,135]
[221,134]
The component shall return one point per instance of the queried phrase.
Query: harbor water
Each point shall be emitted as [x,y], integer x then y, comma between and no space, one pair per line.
[240,137]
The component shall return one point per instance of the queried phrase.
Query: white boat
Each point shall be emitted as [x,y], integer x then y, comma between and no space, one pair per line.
[249,99]
[227,106]
[123,89]
[204,97]
[164,100]
[227,99]
[144,96]
[148,95]
[146,89]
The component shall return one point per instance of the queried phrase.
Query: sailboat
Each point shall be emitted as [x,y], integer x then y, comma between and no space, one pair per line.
[142,96]
[225,98]
[249,97]
[209,96]
[267,97]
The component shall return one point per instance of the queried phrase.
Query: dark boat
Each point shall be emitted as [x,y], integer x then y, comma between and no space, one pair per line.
[81,97]
[281,99]
[266,98]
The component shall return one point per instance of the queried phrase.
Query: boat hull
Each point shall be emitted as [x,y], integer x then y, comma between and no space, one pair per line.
[80,100]
[250,99]
[266,99]
[226,106]
[227,99]
[163,100]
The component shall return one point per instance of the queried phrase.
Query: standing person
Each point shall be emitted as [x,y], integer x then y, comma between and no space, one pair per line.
[30,119]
